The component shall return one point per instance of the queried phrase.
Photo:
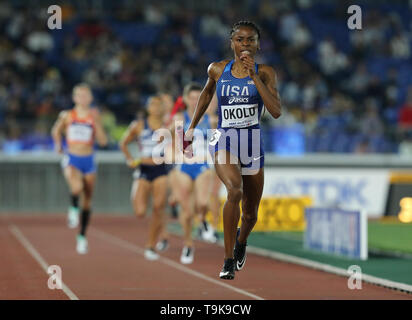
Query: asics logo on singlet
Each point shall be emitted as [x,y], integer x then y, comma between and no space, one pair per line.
[238,100]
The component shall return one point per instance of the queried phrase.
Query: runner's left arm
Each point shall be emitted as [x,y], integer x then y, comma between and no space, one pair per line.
[266,84]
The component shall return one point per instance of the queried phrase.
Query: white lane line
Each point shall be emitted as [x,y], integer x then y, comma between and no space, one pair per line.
[132,247]
[33,252]
[328,268]
[275,255]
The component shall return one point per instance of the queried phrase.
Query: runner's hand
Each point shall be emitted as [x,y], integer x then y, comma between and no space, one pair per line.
[185,141]
[58,148]
[248,64]
[133,163]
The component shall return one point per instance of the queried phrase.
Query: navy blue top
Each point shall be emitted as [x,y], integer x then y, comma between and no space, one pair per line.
[239,102]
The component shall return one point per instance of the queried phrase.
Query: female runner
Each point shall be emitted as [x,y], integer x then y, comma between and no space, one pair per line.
[81,126]
[149,177]
[243,88]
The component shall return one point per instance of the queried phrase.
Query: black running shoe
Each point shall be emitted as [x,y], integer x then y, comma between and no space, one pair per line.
[228,270]
[239,253]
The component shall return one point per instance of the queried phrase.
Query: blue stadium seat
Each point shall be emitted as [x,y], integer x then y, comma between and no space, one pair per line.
[310,141]
[136,34]
[341,143]
[211,43]
[323,141]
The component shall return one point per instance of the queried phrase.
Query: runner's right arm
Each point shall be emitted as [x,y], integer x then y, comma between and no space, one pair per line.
[57,131]
[132,131]
[214,71]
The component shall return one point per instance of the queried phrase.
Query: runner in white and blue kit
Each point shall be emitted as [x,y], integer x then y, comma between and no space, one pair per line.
[150,176]
[243,89]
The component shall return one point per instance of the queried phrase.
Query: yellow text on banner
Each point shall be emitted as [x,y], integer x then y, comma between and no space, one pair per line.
[276,214]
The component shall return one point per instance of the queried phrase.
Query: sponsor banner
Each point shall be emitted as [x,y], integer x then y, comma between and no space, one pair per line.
[338,187]
[337,231]
[276,214]
[399,201]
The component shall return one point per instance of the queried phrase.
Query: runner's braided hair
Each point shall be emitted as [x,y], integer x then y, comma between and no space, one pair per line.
[245,23]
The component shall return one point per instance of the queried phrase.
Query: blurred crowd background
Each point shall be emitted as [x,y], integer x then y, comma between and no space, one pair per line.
[342,90]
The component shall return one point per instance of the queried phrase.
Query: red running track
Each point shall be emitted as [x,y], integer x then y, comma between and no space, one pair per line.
[115,267]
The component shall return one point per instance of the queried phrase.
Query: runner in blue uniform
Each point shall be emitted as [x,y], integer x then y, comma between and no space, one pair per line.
[243,89]
[150,178]
[193,178]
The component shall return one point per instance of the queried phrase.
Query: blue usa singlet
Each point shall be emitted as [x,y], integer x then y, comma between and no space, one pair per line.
[239,110]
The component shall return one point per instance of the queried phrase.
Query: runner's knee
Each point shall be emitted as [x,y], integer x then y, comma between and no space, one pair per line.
[234,193]
[140,210]
[158,207]
[76,188]
[184,196]
[249,218]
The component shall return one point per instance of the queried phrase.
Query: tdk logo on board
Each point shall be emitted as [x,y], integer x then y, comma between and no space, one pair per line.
[238,100]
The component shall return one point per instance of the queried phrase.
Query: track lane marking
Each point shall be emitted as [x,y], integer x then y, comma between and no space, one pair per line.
[278,256]
[36,255]
[132,247]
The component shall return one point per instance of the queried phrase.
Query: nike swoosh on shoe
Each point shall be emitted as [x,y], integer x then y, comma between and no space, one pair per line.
[240,264]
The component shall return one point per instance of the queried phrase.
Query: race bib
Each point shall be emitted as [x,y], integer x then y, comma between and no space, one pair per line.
[239,116]
[81,133]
